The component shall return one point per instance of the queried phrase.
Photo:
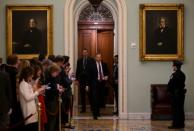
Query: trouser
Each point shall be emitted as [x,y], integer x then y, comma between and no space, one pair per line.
[83,95]
[31,127]
[94,91]
[66,103]
[102,93]
[52,115]
[4,121]
[16,116]
[115,87]
[178,115]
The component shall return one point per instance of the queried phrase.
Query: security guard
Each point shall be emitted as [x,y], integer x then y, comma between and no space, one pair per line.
[176,87]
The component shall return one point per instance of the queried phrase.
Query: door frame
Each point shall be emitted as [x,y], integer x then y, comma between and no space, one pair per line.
[118,8]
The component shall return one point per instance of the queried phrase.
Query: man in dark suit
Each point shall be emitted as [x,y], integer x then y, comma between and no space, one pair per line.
[99,77]
[83,75]
[11,68]
[176,87]
[115,82]
[5,100]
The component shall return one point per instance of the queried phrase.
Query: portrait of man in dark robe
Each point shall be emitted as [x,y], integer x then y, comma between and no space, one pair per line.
[30,32]
[161,32]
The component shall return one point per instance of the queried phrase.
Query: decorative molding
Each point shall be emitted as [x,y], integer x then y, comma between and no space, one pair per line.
[92,25]
[147,116]
[89,14]
[139,116]
[123,116]
[134,116]
[90,117]
[189,116]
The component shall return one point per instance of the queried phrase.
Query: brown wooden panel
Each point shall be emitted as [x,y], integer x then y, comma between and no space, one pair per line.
[105,47]
[96,26]
[87,39]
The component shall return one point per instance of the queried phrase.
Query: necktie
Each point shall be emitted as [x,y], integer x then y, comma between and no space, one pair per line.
[100,71]
[84,62]
[114,70]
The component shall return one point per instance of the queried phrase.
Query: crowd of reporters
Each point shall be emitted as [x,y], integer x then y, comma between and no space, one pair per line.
[25,84]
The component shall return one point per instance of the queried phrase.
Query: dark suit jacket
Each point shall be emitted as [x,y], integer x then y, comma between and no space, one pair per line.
[66,82]
[84,74]
[52,93]
[12,72]
[98,87]
[115,72]
[177,82]
[95,70]
[5,93]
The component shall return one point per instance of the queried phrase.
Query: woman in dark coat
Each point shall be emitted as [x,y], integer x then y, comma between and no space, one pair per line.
[51,97]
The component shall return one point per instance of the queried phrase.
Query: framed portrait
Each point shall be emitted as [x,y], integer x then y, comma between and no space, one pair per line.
[161,31]
[29,30]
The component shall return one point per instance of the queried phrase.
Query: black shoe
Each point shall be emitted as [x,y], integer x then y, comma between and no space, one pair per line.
[82,111]
[98,114]
[176,127]
[102,106]
[95,117]
[172,127]
[69,126]
[115,113]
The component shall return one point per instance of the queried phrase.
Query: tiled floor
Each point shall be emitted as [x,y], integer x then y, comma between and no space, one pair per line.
[125,125]
[108,111]
[84,122]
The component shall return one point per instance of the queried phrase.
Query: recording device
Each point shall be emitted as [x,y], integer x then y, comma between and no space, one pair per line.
[47,87]
[72,76]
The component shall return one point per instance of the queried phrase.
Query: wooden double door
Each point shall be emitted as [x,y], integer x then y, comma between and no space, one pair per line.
[99,41]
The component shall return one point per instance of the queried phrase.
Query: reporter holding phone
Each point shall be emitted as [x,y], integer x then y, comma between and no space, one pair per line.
[27,96]
[51,97]
[36,83]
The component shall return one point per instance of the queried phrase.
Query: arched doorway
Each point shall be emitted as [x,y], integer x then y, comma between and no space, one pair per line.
[119,10]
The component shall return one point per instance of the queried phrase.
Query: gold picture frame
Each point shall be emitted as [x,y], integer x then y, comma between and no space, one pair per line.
[161,32]
[29,30]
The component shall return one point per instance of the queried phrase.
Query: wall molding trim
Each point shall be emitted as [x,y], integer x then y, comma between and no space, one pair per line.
[124,116]
[139,116]
[133,116]
[147,116]
[189,116]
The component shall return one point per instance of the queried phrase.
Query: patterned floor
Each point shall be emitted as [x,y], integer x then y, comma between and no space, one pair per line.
[125,125]
[108,111]
[108,122]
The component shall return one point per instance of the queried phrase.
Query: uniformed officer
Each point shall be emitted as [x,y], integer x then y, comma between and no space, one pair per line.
[176,87]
